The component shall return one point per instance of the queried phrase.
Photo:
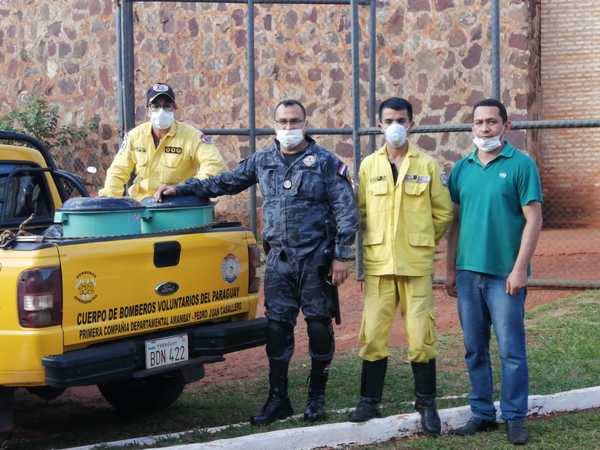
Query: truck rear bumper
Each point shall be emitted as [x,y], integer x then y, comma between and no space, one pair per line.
[125,359]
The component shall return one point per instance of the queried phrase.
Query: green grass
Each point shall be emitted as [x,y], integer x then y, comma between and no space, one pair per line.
[569,431]
[563,354]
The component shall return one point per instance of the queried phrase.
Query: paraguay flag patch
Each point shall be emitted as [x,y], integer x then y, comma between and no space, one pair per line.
[344,171]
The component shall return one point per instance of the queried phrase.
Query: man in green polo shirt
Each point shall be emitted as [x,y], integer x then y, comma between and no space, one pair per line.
[498,195]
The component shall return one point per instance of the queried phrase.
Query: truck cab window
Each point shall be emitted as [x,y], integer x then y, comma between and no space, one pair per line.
[23,192]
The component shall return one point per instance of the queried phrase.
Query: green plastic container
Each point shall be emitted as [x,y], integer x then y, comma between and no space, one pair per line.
[100,217]
[176,213]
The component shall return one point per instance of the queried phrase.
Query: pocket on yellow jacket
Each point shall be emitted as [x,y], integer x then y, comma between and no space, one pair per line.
[374,250]
[421,240]
[141,166]
[416,197]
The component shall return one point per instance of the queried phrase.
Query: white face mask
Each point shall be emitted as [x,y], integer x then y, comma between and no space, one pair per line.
[290,138]
[488,144]
[395,135]
[162,119]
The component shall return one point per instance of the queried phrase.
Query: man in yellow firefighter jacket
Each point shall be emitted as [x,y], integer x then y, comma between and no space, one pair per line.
[405,210]
[161,151]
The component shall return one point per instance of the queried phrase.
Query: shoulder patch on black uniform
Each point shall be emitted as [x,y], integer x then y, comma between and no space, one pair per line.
[344,171]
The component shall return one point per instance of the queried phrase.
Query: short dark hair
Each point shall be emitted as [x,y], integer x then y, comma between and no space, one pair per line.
[494,103]
[397,104]
[290,102]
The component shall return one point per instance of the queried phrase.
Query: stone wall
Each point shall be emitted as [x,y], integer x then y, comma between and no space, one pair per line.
[434,52]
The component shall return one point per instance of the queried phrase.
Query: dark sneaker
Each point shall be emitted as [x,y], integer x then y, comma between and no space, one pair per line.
[276,408]
[516,433]
[367,409]
[474,426]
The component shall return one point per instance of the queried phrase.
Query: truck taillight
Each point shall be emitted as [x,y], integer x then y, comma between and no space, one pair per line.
[39,297]
[253,263]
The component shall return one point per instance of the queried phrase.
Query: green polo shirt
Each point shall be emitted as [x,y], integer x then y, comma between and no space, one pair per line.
[490,200]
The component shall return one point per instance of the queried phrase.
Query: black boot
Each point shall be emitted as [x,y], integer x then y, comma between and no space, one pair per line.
[371,389]
[315,406]
[278,404]
[425,391]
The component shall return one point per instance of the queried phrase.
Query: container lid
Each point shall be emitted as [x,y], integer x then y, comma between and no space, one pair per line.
[100,204]
[179,201]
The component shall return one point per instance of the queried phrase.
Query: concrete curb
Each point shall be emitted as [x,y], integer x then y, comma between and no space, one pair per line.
[154,439]
[376,430]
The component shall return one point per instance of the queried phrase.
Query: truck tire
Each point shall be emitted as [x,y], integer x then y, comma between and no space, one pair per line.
[150,394]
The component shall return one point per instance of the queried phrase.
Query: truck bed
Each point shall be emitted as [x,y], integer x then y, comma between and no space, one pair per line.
[128,288]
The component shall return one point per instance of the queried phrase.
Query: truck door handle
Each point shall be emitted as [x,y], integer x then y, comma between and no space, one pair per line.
[166,254]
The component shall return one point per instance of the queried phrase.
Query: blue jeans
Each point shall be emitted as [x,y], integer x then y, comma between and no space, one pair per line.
[483,301]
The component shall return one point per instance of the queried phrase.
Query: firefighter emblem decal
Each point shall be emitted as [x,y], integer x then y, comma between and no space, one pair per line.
[230,268]
[85,287]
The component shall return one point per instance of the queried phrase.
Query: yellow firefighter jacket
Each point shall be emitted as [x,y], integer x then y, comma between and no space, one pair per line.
[183,153]
[402,222]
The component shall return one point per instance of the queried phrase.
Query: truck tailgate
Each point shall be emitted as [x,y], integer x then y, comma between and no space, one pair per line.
[116,288]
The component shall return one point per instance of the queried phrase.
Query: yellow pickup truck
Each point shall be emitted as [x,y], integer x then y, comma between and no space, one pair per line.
[136,314]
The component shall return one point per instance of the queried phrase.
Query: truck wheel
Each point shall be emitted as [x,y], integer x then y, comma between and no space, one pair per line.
[144,395]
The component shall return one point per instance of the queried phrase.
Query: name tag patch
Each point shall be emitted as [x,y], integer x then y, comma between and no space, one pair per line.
[418,178]
[174,150]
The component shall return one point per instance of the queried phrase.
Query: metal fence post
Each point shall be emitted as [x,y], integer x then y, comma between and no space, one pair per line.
[496,49]
[355,36]
[251,106]
[372,71]
[126,82]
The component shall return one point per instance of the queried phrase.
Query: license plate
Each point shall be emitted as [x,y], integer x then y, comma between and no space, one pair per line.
[166,351]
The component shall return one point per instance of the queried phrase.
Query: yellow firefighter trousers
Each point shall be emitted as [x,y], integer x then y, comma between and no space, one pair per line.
[383,294]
